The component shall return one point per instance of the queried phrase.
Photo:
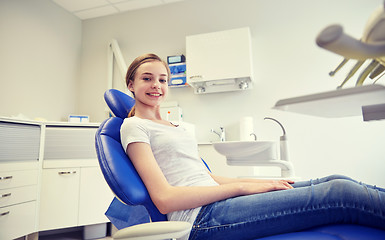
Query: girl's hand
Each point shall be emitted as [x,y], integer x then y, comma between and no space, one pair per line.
[248,188]
[270,180]
[253,185]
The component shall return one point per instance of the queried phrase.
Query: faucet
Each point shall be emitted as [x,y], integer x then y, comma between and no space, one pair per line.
[283,140]
[254,135]
[222,134]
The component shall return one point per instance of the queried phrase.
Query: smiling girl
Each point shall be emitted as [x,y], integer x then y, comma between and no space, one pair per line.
[166,157]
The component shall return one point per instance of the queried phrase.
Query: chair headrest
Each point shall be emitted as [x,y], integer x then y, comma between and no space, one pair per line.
[119,102]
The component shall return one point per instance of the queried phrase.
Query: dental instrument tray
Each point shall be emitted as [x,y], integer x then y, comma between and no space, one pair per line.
[338,103]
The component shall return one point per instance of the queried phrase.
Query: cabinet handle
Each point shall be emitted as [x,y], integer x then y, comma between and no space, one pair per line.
[66,173]
[6,195]
[6,178]
[4,213]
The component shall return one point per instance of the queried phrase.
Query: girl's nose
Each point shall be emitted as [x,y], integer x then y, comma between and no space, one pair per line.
[156,84]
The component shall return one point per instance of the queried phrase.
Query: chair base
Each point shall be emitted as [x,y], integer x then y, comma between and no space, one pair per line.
[154,231]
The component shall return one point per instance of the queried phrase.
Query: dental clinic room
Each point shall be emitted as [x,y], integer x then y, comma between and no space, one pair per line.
[269,89]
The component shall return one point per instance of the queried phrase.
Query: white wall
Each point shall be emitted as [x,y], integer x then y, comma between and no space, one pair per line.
[41,46]
[39,59]
[287,63]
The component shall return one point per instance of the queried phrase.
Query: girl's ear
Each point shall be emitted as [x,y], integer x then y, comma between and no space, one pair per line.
[130,86]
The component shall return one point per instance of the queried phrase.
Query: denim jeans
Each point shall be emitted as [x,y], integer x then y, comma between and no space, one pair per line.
[333,199]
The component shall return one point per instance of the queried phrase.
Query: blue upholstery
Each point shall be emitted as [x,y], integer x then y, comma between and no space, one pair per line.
[118,170]
[119,102]
[126,184]
[333,232]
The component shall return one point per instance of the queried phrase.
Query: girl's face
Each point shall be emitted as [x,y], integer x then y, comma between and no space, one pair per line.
[150,84]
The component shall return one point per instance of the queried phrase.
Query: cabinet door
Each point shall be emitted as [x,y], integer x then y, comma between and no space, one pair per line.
[219,55]
[59,198]
[95,196]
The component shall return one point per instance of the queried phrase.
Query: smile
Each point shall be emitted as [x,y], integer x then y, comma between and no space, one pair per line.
[154,94]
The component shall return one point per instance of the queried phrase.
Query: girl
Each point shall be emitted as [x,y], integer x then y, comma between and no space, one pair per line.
[166,158]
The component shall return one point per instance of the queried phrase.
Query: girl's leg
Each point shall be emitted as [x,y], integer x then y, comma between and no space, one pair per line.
[330,178]
[249,217]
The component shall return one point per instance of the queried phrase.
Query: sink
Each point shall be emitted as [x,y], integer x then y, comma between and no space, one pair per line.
[247,152]
[254,153]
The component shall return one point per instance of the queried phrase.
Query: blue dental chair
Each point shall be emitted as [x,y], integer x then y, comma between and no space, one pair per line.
[129,190]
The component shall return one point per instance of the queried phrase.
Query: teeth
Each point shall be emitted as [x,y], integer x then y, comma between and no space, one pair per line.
[154,94]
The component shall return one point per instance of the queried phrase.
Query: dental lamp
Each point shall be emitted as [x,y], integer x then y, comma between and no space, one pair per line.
[370,46]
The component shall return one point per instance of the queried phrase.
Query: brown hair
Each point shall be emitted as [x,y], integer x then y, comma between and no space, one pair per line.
[130,76]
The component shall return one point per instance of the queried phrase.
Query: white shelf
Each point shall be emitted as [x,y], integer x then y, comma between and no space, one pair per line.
[333,104]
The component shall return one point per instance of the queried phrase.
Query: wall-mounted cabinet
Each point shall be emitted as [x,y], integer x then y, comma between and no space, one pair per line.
[220,61]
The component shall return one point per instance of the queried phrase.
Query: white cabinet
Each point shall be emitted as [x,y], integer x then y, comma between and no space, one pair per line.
[19,173]
[219,61]
[79,196]
[93,189]
[49,177]
[73,197]
[59,198]
[73,190]
[18,205]
[17,220]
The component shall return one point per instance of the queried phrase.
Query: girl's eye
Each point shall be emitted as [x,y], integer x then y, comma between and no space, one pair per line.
[146,78]
[163,80]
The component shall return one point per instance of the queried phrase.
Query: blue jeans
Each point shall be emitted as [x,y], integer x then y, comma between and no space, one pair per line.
[333,199]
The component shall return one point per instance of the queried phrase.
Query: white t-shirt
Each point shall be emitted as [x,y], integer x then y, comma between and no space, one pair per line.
[176,152]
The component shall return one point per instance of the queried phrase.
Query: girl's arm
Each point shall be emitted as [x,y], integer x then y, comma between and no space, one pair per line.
[225,180]
[169,198]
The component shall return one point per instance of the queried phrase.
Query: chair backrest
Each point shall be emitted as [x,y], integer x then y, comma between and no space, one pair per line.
[119,102]
[117,168]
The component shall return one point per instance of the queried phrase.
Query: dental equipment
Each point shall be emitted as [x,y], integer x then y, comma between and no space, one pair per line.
[115,53]
[370,46]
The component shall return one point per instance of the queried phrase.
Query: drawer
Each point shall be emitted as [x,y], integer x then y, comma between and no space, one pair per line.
[14,196]
[13,179]
[17,220]
[18,166]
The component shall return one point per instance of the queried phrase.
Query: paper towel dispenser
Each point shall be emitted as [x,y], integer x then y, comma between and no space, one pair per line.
[219,61]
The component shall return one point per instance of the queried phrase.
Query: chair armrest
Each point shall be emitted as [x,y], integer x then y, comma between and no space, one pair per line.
[154,231]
